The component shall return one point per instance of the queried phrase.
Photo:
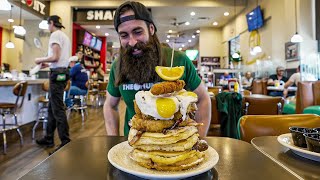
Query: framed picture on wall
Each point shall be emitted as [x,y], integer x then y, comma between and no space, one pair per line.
[292,51]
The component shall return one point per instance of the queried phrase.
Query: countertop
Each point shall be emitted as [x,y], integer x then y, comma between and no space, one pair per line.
[6,82]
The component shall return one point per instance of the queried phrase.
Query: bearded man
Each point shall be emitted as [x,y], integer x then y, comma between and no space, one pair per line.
[134,71]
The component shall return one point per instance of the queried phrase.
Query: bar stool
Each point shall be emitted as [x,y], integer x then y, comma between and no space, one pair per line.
[6,108]
[43,101]
[80,103]
[102,90]
[42,116]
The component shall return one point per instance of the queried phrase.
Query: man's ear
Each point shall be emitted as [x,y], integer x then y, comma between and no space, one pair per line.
[152,29]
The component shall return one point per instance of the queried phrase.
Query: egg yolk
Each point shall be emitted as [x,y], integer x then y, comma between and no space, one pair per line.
[188,93]
[166,107]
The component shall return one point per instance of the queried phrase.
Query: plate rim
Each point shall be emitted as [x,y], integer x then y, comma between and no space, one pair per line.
[293,147]
[162,176]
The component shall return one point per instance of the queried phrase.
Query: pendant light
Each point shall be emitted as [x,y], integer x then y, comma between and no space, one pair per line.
[10,44]
[19,30]
[296,38]
[5,5]
[43,25]
[235,55]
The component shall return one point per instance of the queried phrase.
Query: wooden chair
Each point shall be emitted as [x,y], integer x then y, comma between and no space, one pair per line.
[259,86]
[308,95]
[9,108]
[264,105]
[215,89]
[102,90]
[252,126]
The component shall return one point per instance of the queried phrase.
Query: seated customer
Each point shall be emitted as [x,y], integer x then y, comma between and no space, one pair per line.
[223,80]
[246,80]
[277,80]
[79,77]
[293,80]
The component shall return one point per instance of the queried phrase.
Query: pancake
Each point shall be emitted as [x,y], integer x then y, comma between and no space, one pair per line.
[167,161]
[182,145]
[171,137]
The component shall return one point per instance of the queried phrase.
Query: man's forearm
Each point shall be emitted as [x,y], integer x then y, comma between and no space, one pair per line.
[111,120]
[203,115]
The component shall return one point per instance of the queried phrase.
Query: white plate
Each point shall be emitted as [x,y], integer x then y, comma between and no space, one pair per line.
[286,140]
[119,157]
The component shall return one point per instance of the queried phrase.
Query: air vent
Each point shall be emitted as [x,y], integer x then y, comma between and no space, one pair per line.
[203,18]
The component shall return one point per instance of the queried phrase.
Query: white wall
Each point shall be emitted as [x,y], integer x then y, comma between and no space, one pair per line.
[210,42]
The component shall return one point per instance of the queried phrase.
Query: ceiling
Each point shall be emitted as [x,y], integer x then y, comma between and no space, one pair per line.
[167,16]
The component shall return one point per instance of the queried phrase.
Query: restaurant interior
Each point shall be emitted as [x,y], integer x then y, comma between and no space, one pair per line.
[259,61]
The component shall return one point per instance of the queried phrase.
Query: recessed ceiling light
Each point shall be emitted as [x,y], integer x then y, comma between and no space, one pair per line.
[170,31]
[215,23]
[226,13]
[193,36]
[98,27]
[113,46]
[198,31]
[167,40]
[10,20]
[182,45]
[187,23]
[168,36]
[192,13]
[106,34]
[189,40]
[180,49]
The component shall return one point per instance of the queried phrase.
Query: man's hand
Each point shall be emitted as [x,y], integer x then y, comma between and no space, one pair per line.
[44,65]
[38,60]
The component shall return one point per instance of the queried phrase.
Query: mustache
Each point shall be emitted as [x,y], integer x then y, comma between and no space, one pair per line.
[128,50]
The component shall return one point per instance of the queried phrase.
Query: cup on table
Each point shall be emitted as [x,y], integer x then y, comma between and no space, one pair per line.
[276,83]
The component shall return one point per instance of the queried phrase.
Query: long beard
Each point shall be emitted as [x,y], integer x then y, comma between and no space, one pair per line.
[138,68]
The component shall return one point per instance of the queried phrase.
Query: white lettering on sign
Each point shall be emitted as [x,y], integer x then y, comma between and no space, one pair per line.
[37,6]
[100,15]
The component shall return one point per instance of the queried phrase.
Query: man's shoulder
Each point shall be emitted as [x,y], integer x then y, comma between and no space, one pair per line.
[273,76]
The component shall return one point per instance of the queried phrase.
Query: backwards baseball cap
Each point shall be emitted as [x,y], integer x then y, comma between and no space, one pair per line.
[56,21]
[280,68]
[73,59]
[140,13]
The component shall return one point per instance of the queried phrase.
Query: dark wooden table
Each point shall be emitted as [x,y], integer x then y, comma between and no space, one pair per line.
[87,159]
[301,167]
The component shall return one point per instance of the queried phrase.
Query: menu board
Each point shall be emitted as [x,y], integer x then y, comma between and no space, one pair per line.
[98,45]
[87,39]
[93,41]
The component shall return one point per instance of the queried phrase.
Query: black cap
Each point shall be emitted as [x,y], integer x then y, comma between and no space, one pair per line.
[56,21]
[140,13]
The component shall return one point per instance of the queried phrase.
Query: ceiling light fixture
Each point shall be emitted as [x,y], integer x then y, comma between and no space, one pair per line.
[10,44]
[198,31]
[193,36]
[168,36]
[19,30]
[98,27]
[10,20]
[106,34]
[187,23]
[182,45]
[44,25]
[189,40]
[170,31]
[226,13]
[192,13]
[180,49]
[5,5]
[215,23]
[296,38]
[167,40]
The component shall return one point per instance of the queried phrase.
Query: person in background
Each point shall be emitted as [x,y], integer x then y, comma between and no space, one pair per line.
[79,78]
[225,76]
[293,80]
[140,53]
[277,80]
[79,54]
[58,54]
[246,80]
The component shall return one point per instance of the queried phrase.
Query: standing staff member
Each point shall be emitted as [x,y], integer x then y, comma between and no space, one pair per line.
[58,54]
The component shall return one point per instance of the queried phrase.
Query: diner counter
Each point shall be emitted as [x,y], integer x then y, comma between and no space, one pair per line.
[28,111]
[86,158]
[6,82]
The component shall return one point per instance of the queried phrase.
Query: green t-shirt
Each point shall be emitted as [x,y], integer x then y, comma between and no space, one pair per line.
[128,90]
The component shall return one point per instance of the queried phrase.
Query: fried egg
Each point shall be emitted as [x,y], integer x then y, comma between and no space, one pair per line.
[186,98]
[162,108]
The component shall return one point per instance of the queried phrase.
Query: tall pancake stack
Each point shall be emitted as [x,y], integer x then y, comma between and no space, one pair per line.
[163,133]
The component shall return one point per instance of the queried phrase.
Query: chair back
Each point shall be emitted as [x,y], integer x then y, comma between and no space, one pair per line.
[304,96]
[102,86]
[251,126]
[46,85]
[215,115]
[316,92]
[264,105]
[20,90]
[259,86]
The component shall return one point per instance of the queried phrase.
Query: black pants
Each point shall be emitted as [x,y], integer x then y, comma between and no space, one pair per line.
[56,110]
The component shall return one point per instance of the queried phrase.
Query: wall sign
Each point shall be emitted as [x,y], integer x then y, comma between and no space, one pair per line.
[39,8]
[105,16]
